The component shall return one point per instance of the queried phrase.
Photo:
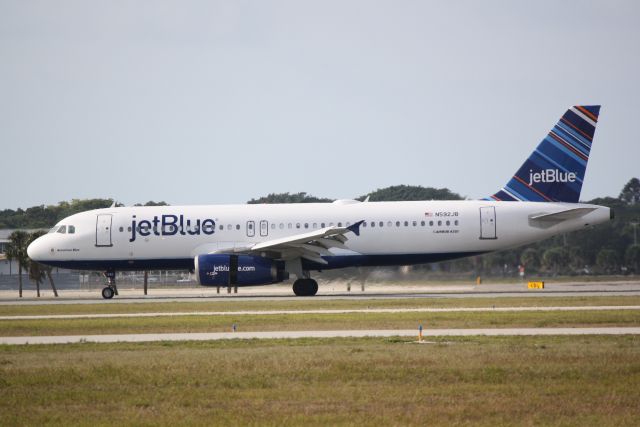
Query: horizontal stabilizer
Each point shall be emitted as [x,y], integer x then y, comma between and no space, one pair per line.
[546,220]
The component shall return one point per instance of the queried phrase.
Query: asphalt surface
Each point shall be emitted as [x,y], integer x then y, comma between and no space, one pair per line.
[329,292]
[70,339]
[328,311]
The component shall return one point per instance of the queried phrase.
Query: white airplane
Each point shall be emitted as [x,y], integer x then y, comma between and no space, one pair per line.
[246,245]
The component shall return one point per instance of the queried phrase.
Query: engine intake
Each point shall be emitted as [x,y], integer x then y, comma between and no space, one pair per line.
[238,270]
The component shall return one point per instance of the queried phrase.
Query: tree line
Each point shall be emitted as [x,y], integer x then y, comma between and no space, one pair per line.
[47,216]
[610,248]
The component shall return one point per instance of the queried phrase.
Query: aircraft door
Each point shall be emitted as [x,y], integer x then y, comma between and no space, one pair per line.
[264,228]
[251,228]
[488,222]
[103,230]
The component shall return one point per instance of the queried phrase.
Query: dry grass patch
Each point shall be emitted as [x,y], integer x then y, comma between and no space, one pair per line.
[485,381]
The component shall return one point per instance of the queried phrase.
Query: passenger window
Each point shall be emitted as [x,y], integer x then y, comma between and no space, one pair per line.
[229,227]
[430,223]
[322,225]
[415,223]
[237,226]
[381,224]
[389,224]
[422,223]
[373,224]
[339,224]
[406,223]
[297,225]
[306,225]
[221,227]
[455,222]
[290,226]
[315,225]
[448,222]
[364,224]
[129,229]
[121,229]
[281,226]
[439,223]
[397,223]
[62,229]
[273,225]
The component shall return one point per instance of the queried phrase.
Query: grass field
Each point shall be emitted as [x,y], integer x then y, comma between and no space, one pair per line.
[334,321]
[311,303]
[293,322]
[480,381]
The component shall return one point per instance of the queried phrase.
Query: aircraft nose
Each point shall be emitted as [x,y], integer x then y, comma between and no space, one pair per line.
[35,250]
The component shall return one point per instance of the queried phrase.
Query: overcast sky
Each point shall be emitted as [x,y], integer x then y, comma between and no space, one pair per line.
[198,102]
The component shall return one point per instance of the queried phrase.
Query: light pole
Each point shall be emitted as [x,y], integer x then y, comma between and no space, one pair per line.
[635,232]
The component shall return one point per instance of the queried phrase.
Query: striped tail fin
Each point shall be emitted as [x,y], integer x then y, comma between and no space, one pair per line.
[555,170]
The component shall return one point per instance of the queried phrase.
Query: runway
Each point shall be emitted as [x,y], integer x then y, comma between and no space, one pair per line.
[332,311]
[133,338]
[330,292]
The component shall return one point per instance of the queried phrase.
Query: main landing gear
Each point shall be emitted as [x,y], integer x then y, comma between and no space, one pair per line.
[111,289]
[305,287]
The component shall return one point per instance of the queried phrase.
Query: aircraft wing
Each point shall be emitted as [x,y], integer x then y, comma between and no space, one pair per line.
[311,246]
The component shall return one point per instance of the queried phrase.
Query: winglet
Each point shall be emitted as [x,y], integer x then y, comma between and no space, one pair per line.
[355,227]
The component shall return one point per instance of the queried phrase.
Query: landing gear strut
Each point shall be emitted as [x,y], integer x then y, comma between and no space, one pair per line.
[305,287]
[111,289]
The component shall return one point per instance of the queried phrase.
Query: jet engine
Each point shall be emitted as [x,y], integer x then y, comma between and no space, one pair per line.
[238,270]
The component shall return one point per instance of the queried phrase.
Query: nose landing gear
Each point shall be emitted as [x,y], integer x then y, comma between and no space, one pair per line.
[111,289]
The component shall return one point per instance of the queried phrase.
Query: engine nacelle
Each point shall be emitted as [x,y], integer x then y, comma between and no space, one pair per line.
[238,270]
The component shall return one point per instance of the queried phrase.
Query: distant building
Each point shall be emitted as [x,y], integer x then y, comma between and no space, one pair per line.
[7,267]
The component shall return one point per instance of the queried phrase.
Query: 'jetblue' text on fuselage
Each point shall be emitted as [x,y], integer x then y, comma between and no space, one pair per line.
[171,225]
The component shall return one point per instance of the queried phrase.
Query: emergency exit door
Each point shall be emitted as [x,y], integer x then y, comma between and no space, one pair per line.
[103,230]
[488,222]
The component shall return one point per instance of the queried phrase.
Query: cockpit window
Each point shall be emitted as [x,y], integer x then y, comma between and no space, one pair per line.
[53,229]
[62,229]
[71,229]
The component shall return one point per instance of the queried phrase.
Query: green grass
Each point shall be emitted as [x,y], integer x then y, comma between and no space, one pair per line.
[290,322]
[312,304]
[473,381]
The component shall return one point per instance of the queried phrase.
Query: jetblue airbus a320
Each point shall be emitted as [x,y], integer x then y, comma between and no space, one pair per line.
[247,245]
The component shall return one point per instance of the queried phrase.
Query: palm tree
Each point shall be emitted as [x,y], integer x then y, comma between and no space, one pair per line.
[37,271]
[37,274]
[17,250]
